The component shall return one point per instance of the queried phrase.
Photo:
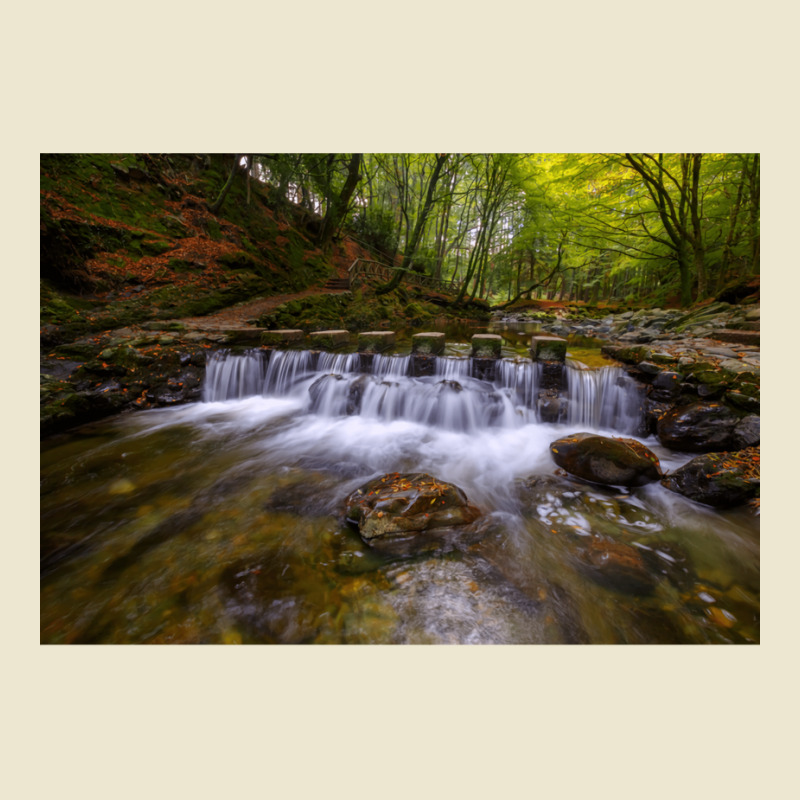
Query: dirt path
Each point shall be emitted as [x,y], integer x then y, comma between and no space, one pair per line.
[237,316]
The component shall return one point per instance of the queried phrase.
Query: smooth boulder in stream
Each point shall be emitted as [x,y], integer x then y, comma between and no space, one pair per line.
[406,512]
[704,428]
[722,480]
[606,460]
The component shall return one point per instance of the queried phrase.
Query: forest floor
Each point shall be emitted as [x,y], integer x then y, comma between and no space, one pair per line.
[244,315]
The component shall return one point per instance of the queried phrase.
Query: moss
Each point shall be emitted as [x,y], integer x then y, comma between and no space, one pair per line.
[240,260]
[214,231]
[715,377]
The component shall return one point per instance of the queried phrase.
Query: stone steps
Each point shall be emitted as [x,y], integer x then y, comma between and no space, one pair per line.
[337,285]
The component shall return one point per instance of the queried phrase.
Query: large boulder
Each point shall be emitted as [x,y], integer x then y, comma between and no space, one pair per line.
[701,428]
[409,512]
[611,461]
[721,480]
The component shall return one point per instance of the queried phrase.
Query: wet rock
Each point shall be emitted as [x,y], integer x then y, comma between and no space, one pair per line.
[321,387]
[484,369]
[648,367]
[550,407]
[404,513]
[573,510]
[743,401]
[666,385]
[721,480]
[356,393]
[601,459]
[748,431]
[699,428]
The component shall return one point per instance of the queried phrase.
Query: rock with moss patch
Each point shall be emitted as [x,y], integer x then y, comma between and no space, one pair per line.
[429,343]
[486,345]
[721,480]
[408,512]
[548,348]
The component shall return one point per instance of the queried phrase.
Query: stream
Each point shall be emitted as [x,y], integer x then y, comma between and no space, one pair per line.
[221,521]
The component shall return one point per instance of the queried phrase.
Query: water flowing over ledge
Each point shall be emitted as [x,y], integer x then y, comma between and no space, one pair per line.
[337,384]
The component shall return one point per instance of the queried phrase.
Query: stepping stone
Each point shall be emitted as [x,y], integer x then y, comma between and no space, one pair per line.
[329,340]
[430,343]
[282,337]
[376,341]
[486,345]
[548,348]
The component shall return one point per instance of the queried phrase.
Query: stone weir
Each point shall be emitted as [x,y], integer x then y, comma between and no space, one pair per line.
[486,348]
[549,352]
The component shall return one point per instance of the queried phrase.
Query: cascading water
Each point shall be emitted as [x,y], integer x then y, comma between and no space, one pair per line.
[604,398]
[333,384]
[221,521]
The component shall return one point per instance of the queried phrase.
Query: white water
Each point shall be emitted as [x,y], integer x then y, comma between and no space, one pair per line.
[450,400]
[204,471]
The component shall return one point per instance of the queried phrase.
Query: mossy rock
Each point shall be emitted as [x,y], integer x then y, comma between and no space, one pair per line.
[548,348]
[376,341]
[715,377]
[486,345]
[739,400]
[430,343]
[283,338]
[605,460]
[632,355]
[329,340]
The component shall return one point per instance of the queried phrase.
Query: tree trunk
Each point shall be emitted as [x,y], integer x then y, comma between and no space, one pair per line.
[217,204]
[411,247]
[337,207]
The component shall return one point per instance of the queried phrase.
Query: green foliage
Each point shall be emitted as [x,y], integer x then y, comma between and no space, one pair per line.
[377,229]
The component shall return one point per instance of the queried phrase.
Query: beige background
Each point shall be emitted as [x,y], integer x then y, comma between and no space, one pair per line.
[138,722]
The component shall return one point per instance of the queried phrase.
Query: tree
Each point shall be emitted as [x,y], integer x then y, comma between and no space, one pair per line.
[338,203]
[413,241]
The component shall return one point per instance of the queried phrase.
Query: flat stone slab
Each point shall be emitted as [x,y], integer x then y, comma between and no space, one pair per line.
[329,340]
[548,348]
[486,345]
[281,337]
[376,341]
[737,337]
[430,343]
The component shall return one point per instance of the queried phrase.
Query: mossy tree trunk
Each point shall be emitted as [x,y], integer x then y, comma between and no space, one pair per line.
[217,204]
[338,204]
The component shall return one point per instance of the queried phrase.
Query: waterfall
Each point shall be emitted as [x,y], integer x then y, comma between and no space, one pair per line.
[521,377]
[234,377]
[390,366]
[604,398]
[333,385]
[453,368]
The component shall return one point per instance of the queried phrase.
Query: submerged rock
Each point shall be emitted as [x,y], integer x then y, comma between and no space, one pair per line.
[721,480]
[616,566]
[407,512]
[601,459]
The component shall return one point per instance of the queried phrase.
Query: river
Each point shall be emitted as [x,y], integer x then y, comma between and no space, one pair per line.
[221,521]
